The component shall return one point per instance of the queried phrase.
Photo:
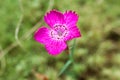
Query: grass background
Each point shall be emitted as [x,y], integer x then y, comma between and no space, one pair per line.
[97,52]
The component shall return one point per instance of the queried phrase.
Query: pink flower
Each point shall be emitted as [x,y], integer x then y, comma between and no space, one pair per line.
[62,28]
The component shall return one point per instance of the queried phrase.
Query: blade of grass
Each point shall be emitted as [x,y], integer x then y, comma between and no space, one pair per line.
[27,34]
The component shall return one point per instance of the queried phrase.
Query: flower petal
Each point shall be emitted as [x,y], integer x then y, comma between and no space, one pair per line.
[55,47]
[54,17]
[42,35]
[74,32]
[70,18]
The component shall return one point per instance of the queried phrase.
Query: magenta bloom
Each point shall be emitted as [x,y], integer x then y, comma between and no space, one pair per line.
[62,28]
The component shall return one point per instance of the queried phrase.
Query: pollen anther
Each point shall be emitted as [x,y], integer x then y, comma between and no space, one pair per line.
[59,32]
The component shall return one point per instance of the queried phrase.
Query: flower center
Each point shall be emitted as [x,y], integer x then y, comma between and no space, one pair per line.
[59,32]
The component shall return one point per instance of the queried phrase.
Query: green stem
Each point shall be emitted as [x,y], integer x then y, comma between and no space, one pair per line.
[72,51]
[70,61]
[65,67]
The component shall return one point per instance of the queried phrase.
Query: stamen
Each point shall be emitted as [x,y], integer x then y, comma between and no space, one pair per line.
[60,31]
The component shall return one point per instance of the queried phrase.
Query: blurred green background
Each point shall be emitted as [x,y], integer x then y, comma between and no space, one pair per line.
[97,52]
